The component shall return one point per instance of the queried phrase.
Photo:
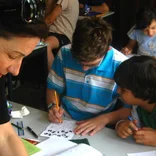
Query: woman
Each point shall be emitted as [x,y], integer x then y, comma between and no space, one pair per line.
[18,37]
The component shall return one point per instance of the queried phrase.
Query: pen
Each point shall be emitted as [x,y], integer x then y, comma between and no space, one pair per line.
[32,132]
[17,126]
[18,130]
[57,104]
[22,127]
[130,118]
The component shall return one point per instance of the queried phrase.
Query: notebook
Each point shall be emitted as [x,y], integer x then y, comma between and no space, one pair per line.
[80,150]
[62,147]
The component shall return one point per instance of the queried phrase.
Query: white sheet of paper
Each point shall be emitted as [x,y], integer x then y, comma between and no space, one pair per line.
[81,150]
[60,130]
[52,146]
[150,153]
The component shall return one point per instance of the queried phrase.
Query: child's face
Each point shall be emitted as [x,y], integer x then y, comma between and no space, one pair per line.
[128,97]
[151,29]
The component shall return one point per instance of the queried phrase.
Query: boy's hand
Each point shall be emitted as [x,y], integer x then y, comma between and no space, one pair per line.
[91,126]
[55,115]
[126,51]
[146,136]
[126,128]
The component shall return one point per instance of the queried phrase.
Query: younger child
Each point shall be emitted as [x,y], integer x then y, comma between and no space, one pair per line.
[143,33]
[138,88]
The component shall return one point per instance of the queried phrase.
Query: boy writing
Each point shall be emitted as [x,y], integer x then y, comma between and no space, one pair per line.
[82,74]
[136,79]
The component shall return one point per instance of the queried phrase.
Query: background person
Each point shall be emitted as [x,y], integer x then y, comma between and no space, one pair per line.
[93,6]
[143,33]
[61,18]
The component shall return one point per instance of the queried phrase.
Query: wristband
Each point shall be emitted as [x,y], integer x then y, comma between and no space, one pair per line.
[118,123]
[51,105]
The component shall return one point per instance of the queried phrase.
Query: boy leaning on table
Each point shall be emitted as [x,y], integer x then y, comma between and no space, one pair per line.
[138,88]
[82,74]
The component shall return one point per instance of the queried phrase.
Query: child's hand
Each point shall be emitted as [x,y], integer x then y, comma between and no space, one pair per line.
[55,115]
[146,136]
[91,126]
[125,128]
[126,51]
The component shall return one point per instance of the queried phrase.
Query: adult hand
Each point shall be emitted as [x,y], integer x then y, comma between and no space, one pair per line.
[55,115]
[146,136]
[126,51]
[91,126]
[126,128]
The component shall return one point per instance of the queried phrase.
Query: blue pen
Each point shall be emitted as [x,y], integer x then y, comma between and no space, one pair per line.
[22,127]
[130,118]
[18,130]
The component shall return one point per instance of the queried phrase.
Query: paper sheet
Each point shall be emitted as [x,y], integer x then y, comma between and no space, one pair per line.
[31,149]
[80,150]
[149,153]
[61,130]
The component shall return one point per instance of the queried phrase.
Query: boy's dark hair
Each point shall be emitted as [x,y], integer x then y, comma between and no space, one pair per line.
[12,25]
[91,39]
[144,17]
[138,74]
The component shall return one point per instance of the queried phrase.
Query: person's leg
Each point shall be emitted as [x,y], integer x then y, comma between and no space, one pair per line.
[53,43]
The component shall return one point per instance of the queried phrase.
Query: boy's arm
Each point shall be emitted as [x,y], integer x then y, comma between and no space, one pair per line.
[146,136]
[49,7]
[54,114]
[51,17]
[94,125]
[10,143]
[101,8]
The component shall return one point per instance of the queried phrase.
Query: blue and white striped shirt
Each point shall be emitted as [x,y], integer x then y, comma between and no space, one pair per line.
[85,94]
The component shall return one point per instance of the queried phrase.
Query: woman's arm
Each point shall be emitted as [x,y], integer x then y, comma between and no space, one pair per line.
[10,143]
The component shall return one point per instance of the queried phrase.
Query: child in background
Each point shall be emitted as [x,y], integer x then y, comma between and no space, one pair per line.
[61,17]
[143,33]
[138,88]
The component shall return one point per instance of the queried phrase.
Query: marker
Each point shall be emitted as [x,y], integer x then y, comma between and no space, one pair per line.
[32,132]
[17,126]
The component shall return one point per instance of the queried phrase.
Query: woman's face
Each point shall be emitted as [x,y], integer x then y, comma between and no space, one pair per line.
[13,51]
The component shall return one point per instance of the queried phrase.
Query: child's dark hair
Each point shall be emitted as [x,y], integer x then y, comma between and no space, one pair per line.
[138,74]
[144,17]
[91,39]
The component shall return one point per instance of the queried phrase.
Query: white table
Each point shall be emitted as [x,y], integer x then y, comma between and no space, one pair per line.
[106,141]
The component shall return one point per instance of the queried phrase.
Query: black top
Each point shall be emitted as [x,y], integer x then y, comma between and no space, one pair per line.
[92,2]
[4,116]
